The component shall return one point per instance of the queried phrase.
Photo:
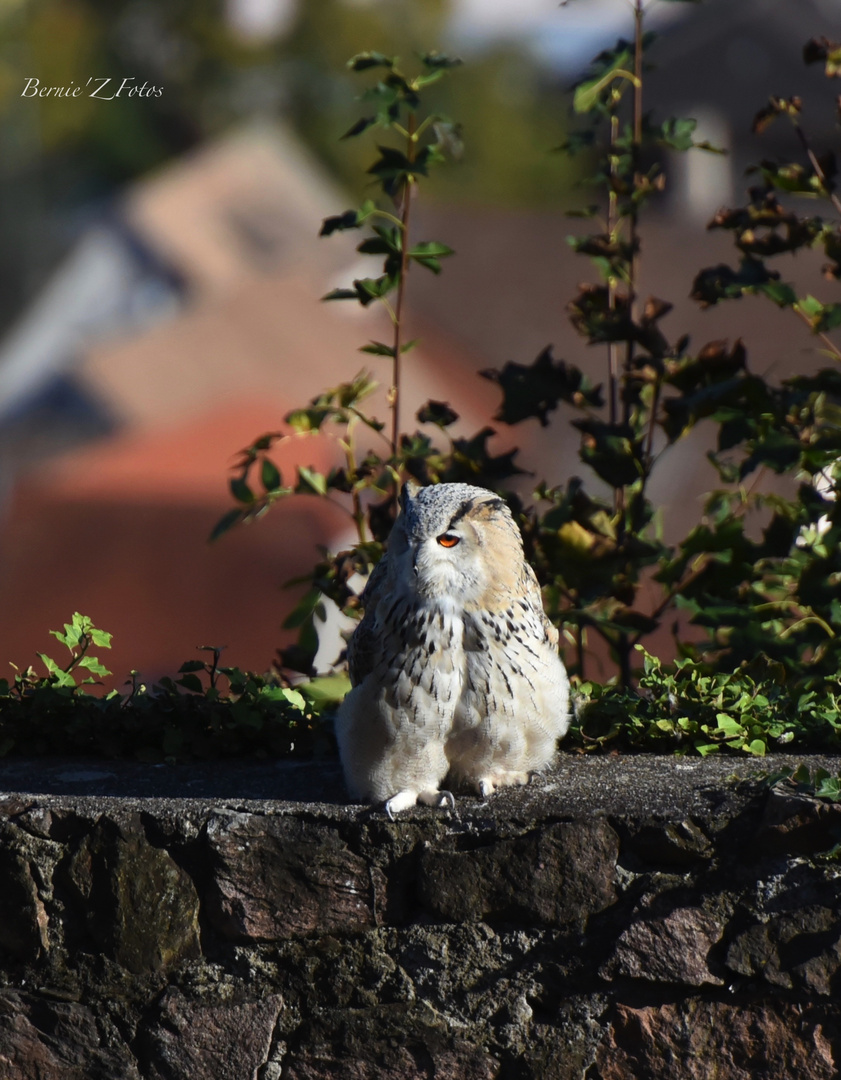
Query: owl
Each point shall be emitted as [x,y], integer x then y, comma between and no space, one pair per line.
[455,668]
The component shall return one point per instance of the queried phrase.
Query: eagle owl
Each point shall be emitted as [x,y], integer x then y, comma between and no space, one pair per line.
[455,667]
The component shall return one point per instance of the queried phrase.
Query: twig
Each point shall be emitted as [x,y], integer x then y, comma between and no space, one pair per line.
[635,166]
[394,393]
[816,165]
[612,350]
[831,346]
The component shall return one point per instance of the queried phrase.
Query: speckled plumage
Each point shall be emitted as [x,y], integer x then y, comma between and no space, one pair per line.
[455,667]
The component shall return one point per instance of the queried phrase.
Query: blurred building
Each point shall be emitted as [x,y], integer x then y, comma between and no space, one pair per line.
[181,328]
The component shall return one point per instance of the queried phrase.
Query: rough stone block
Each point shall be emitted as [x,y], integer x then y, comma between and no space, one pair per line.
[23,918]
[798,825]
[139,906]
[384,1044]
[556,876]
[709,1040]
[670,949]
[799,948]
[45,1040]
[219,1040]
[676,845]
[274,879]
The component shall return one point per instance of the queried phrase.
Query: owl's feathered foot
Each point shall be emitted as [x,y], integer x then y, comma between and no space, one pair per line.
[403,800]
[487,785]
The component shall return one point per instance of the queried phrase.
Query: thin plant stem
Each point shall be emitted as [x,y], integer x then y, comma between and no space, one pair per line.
[652,423]
[579,650]
[831,346]
[816,165]
[397,341]
[633,275]
[612,349]
[358,512]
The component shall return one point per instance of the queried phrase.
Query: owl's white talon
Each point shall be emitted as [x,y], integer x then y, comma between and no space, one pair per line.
[487,785]
[401,801]
[437,799]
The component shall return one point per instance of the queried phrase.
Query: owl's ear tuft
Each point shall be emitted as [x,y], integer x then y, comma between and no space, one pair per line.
[407,493]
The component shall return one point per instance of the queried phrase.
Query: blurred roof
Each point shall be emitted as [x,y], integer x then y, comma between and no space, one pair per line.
[728,58]
[203,288]
[249,204]
[113,521]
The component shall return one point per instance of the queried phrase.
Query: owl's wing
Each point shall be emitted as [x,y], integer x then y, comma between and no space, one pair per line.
[531,589]
[363,642]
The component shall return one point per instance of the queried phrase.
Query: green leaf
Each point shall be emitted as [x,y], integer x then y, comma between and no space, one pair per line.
[304,420]
[270,475]
[92,664]
[377,348]
[370,289]
[783,295]
[426,80]
[341,294]
[393,169]
[616,63]
[241,491]
[811,307]
[283,694]
[378,245]
[722,282]
[437,412]
[325,690]
[365,60]
[311,480]
[340,222]
[439,61]
[61,677]
[362,124]
[191,665]
[226,522]
[728,725]
[431,247]
[823,51]
[828,787]
[830,318]
[428,253]
[191,682]
[677,133]
[535,389]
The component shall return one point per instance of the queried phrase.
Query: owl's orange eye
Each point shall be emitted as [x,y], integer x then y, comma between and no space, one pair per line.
[448,540]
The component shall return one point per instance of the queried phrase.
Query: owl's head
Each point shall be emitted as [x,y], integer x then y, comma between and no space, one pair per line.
[454,540]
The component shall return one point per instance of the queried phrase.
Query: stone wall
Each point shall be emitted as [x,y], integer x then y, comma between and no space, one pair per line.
[619,918]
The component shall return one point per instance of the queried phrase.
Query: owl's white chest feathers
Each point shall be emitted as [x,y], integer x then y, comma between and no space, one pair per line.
[422,675]
[454,668]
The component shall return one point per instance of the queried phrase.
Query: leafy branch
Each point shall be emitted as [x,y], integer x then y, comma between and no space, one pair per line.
[397,102]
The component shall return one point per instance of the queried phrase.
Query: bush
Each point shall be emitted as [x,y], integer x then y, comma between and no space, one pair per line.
[769,610]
